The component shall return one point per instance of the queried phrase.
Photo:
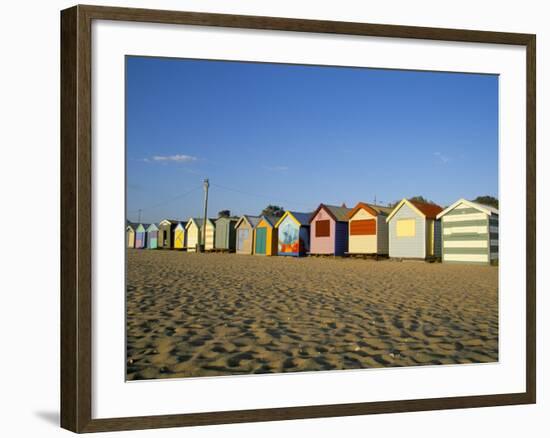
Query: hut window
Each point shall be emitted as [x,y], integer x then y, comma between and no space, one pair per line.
[406,227]
[363,227]
[322,228]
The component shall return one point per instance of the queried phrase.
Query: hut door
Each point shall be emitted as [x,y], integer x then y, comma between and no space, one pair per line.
[242,236]
[261,234]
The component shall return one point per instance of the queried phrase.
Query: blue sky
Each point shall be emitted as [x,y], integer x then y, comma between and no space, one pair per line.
[300,135]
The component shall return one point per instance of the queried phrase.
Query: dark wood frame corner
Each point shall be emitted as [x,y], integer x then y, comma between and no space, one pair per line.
[76,173]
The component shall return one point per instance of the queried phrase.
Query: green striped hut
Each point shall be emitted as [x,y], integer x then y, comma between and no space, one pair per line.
[469,233]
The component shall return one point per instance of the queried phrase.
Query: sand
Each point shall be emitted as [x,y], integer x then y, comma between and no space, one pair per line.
[192,315]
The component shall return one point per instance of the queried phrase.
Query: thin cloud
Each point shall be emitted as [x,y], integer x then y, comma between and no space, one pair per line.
[443,158]
[178,158]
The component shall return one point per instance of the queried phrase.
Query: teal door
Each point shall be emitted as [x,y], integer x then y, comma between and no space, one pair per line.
[261,237]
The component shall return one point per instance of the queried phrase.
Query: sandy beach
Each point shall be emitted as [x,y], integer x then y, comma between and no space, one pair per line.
[192,315]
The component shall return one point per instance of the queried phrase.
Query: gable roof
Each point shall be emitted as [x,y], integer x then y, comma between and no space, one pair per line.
[182,224]
[373,209]
[195,220]
[271,220]
[301,219]
[152,227]
[339,214]
[144,226]
[227,218]
[429,211]
[168,221]
[250,220]
[131,225]
[481,207]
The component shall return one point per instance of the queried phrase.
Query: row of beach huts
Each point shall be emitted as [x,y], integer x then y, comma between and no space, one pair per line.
[465,232]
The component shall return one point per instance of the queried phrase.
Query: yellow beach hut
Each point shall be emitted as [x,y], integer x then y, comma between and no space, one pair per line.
[131,234]
[265,236]
[179,235]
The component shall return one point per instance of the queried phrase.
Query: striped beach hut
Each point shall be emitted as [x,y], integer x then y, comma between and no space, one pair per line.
[329,230]
[193,234]
[244,233]
[293,234]
[414,231]
[225,233]
[141,235]
[368,229]
[469,233]
[131,234]
[152,236]
[265,236]
[179,235]
[166,233]
[210,237]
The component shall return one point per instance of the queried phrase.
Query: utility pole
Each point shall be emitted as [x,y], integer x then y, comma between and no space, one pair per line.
[206,185]
[374,199]
[139,216]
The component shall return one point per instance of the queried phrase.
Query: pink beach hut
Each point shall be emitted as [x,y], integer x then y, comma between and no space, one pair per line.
[329,230]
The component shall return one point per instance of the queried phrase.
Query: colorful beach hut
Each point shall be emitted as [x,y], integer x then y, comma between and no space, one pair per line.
[265,236]
[469,233]
[414,231]
[166,233]
[193,234]
[368,229]
[131,235]
[210,237]
[141,235]
[225,233]
[329,230]
[152,236]
[179,235]
[293,234]
[244,233]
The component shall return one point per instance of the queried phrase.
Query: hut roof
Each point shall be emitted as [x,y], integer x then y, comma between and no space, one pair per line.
[251,220]
[373,209]
[271,220]
[152,227]
[145,226]
[429,211]
[132,225]
[339,214]
[170,221]
[228,218]
[301,218]
[487,209]
[182,223]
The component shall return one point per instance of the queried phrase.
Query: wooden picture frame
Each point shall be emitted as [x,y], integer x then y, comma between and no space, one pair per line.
[76,217]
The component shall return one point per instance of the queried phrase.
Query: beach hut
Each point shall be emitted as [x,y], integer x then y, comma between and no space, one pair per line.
[414,231]
[329,230]
[193,234]
[152,236]
[179,235]
[293,234]
[368,229]
[131,234]
[469,233]
[265,236]
[225,233]
[166,233]
[141,235]
[244,233]
[210,237]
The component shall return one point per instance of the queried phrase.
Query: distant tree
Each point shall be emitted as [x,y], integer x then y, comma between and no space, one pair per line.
[487,200]
[273,210]
[224,213]
[420,198]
